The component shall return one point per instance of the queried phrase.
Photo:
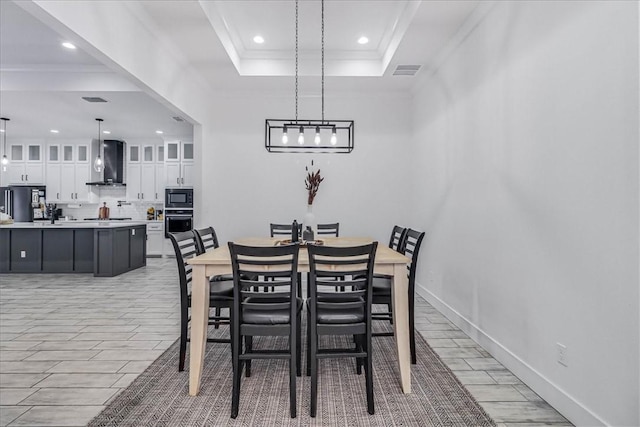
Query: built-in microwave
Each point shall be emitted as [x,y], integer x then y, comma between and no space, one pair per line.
[178,198]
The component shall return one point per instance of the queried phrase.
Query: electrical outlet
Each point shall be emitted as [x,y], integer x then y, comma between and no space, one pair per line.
[23,254]
[562,354]
[133,231]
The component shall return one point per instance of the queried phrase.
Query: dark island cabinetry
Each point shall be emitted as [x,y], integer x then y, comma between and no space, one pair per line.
[119,250]
[103,251]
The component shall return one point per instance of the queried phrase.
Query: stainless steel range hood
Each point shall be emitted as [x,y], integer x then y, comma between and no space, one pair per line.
[113,164]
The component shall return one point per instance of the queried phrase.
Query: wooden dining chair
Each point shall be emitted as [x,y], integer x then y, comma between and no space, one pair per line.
[207,240]
[221,295]
[256,313]
[347,312]
[382,288]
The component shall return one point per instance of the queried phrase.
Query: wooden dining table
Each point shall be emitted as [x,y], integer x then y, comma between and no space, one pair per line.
[218,262]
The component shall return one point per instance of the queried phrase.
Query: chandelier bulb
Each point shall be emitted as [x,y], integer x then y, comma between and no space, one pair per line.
[334,138]
[317,138]
[285,137]
[5,160]
[301,136]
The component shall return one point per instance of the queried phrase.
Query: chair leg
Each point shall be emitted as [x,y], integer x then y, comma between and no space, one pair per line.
[412,331]
[248,345]
[314,375]
[359,360]
[308,370]
[184,324]
[294,369]
[390,307]
[237,373]
[299,346]
[217,322]
[368,371]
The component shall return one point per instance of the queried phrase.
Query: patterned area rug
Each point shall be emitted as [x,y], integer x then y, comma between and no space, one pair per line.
[159,396]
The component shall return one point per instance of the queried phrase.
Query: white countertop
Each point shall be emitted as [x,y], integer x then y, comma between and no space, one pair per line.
[74,224]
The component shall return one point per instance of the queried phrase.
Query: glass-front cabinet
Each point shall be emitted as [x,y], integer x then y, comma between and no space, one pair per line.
[26,164]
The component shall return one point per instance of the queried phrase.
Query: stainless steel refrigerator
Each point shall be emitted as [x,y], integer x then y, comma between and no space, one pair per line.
[20,201]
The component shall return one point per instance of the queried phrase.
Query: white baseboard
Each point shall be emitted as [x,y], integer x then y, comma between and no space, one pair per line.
[570,408]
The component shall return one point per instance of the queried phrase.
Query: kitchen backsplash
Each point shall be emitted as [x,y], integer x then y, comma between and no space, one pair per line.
[133,210]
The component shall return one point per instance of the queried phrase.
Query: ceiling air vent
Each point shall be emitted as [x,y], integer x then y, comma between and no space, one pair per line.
[178,119]
[406,70]
[93,99]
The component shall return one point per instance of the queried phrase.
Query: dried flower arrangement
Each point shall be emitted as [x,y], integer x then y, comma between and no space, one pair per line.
[312,182]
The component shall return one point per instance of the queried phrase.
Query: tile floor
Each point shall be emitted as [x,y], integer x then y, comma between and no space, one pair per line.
[70,343]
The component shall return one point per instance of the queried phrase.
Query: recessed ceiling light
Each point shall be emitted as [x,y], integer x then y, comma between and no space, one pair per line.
[363,40]
[258,39]
[54,131]
[106,132]
[159,132]
[69,45]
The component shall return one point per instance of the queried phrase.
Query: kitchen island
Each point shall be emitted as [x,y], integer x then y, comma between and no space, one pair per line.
[104,248]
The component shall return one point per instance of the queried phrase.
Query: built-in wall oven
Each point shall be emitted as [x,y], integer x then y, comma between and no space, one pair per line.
[177,221]
[178,210]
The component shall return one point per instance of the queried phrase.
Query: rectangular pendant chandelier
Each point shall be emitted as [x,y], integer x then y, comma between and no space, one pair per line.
[308,136]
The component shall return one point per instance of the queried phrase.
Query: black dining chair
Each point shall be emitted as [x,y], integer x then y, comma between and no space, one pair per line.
[382,288]
[220,295]
[329,230]
[207,240]
[275,313]
[278,230]
[347,312]
[396,242]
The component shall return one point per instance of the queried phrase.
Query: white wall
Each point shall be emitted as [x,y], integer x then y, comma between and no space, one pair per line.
[526,181]
[245,187]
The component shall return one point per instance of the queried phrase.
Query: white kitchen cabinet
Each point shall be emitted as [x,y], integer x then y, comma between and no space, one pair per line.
[73,183]
[179,174]
[160,174]
[155,239]
[141,174]
[160,182]
[53,183]
[26,164]
[67,173]
[179,164]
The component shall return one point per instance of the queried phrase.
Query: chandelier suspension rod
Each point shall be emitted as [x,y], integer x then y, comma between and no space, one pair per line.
[296,60]
[322,53]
